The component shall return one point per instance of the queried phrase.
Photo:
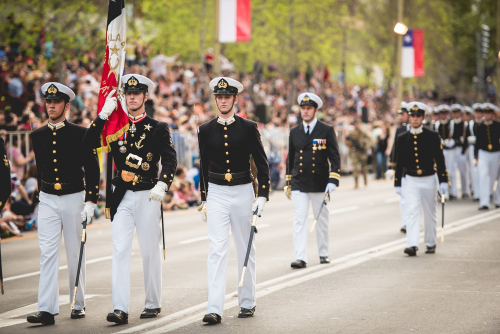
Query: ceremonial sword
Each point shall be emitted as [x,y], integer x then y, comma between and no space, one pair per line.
[252,231]
[82,245]
[327,195]
[443,202]
[162,229]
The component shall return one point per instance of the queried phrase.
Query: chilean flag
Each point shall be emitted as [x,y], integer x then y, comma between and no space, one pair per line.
[234,21]
[412,64]
[114,62]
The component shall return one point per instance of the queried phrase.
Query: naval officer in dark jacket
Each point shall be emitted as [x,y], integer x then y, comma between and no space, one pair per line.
[418,150]
[313,170]
[68,180]
[226,144]
[140,185]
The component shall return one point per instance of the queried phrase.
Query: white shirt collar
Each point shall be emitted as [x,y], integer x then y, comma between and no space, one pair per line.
[416,131]
[56,126]
[227,121]
[311,125]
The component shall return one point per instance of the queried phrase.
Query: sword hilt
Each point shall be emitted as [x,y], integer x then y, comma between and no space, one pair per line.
[242,276]
[74,298]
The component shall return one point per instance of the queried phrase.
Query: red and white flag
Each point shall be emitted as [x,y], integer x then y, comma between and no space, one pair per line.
[116,42]
[235,23]
[412,64]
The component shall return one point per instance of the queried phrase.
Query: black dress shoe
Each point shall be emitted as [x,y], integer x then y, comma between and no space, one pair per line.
[150,313]
[78,314]
[475,200]
[483,208]
[324,259]
[497,206]
[465,196]
[246,313]
[298,264]
[411,251]
[118,317]
[452,198]
[44,318]
[403,229]
[430,250]
[212,318]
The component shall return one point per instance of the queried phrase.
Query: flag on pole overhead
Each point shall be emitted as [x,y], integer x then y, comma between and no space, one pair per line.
[412,64]
[234,21]
[112,71]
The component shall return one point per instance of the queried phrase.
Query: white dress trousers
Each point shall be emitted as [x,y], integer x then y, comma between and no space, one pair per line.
[58,215]
[402,202]
[301,202]
[229,208]
[450,159]
[474,172]
[136,211]
[487,164]
[421,195]
[463,167]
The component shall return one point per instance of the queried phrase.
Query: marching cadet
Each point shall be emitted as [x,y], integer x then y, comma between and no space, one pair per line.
[67,195]
[135,201]
[359,143]
[418,150]
[459,135]
[313,170]
[405,126]
[468,151]
[226,143]
[487,155]
[5,182]
[445,128]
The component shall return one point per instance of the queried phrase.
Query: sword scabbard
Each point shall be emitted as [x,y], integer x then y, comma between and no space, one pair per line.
[242,276]
[74,298]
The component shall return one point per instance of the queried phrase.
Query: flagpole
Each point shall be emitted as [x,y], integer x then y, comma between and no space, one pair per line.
[216,67]
[399,54]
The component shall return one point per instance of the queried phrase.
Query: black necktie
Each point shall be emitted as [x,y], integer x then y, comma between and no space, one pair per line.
[307,133]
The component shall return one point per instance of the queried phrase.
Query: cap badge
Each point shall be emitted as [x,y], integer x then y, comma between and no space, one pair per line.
[132,81]
[222,83]
[415,108]
[306,98]
[52,89]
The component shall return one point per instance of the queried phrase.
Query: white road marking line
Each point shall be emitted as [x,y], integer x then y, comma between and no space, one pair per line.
[205,237]
[35,273]
[337,211]
[6,317]
[392,200]
[184,317]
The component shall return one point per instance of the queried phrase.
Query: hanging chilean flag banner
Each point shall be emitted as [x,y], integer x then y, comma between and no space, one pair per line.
[234,21]
[412,64]
[112,71]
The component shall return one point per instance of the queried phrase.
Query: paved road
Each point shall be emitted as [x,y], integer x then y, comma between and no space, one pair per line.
[370,286]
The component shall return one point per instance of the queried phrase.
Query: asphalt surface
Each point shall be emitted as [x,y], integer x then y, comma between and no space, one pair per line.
[370,286]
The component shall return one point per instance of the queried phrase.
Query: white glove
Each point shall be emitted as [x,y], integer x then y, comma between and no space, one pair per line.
[398,190]
[158,191]
[109,106]
[443,188]
[330,187]
[203,211]
[88,211]
[259,205]
[389,175]
[450,143]
[471,140]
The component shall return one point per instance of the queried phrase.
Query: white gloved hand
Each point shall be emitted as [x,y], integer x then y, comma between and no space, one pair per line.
[203,211]
[88,211]
[443,188]
[450,143]
[471,140]
[389,175]
[330,187]
[398,190]
[109,106]
[158,192]
[259,205]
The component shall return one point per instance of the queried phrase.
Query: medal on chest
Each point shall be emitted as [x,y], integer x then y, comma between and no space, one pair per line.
[122,149]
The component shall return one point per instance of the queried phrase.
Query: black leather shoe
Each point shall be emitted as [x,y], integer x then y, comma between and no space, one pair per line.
[475,200]
[150,313]
[78,314]
[453,198]
[403,229]
[483,208]
[212,318]
[465,196]
[44,318]
[246,313]
[118,317]
[411,251]
[430,250]
[299,264]
[497,206]
[324,259]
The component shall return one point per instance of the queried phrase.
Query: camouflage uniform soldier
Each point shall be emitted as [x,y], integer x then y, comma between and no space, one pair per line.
[359,143]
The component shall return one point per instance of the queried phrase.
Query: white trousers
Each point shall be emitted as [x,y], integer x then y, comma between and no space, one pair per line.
[301,202]
[487,164]
[402,202]
[463,167]
[229,207]
[59,215]
[137,211]
[421,195]
[474,172]
[450,159]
